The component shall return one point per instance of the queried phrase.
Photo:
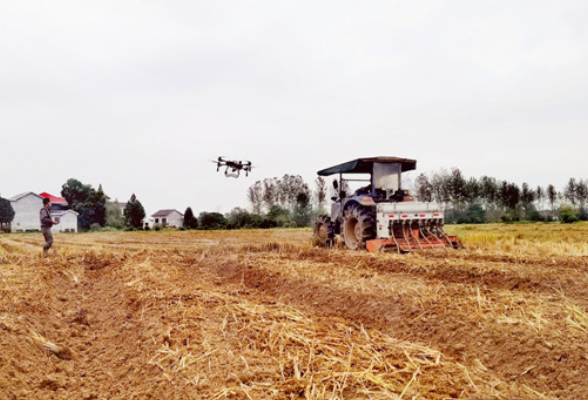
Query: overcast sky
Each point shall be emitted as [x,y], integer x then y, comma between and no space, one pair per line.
[139,96]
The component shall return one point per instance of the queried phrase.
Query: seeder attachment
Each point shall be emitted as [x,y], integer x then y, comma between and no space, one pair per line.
[405,235]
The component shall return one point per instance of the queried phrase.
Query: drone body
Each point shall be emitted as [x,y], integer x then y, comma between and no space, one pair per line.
[233,167]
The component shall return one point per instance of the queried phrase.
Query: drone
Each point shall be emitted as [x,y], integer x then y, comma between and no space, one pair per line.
[232,167]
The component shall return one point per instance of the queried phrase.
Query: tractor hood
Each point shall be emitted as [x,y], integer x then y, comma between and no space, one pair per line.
[366,165]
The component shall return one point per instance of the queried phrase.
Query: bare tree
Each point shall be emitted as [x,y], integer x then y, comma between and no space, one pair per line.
[457,186]
[581,193]
[509,195]
[440,185]
[488,190]
[289,187]
[270,192]
[527,198]
[255,197]
[570,191]
[423,188]
[540,196]
[552,196]
[473,190]
[320,192]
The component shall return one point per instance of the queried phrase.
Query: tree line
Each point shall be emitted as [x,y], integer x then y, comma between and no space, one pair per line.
[288,202]
[285,202]
[487,199]
[291,202]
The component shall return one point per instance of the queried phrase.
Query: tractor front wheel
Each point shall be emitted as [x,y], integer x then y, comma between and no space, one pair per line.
[359,226]
[323,231]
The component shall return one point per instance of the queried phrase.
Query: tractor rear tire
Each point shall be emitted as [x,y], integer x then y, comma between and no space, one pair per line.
[324,231]
[359,226]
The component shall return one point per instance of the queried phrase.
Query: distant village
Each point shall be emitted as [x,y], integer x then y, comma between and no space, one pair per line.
[26,208]
[284,203]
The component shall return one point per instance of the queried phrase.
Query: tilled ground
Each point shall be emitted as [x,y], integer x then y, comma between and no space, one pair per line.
[265,315]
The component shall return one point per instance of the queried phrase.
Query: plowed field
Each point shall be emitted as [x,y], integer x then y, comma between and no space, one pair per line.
[266,315]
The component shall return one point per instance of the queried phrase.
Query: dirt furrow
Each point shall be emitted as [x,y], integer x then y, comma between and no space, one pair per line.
[502,273]
[510,350]
[104,342]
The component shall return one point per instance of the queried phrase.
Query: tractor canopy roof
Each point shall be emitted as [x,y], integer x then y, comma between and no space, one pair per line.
[366,165]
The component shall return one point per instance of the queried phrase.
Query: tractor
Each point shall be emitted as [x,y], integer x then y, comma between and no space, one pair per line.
[380,215]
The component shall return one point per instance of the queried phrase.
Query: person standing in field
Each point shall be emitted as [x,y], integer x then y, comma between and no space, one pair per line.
[46,224]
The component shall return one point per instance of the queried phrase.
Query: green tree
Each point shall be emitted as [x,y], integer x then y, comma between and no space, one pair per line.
[114,216]
[190,221]
[88,202]
[99,199]
[568,215]
[280,215]
[75,192]
[303,210]
[212,220]
[134,213]
[6,213]
[239,218]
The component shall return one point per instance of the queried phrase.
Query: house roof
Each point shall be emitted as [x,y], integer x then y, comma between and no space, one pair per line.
[165,213]
[366,165]
[20,196]
[54,199]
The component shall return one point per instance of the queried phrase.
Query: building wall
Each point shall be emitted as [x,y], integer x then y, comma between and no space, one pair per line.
[175,219]
[68,222]
[26,213]
[149,221]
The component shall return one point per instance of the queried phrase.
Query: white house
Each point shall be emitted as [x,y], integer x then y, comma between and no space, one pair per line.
[26,208]
[166,218]
[60,212]
[67,221]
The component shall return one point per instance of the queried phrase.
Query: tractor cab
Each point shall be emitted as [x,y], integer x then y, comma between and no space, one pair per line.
[379,178]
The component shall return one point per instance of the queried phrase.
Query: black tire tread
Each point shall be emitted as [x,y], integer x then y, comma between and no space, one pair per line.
[324,220]
[366,218]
